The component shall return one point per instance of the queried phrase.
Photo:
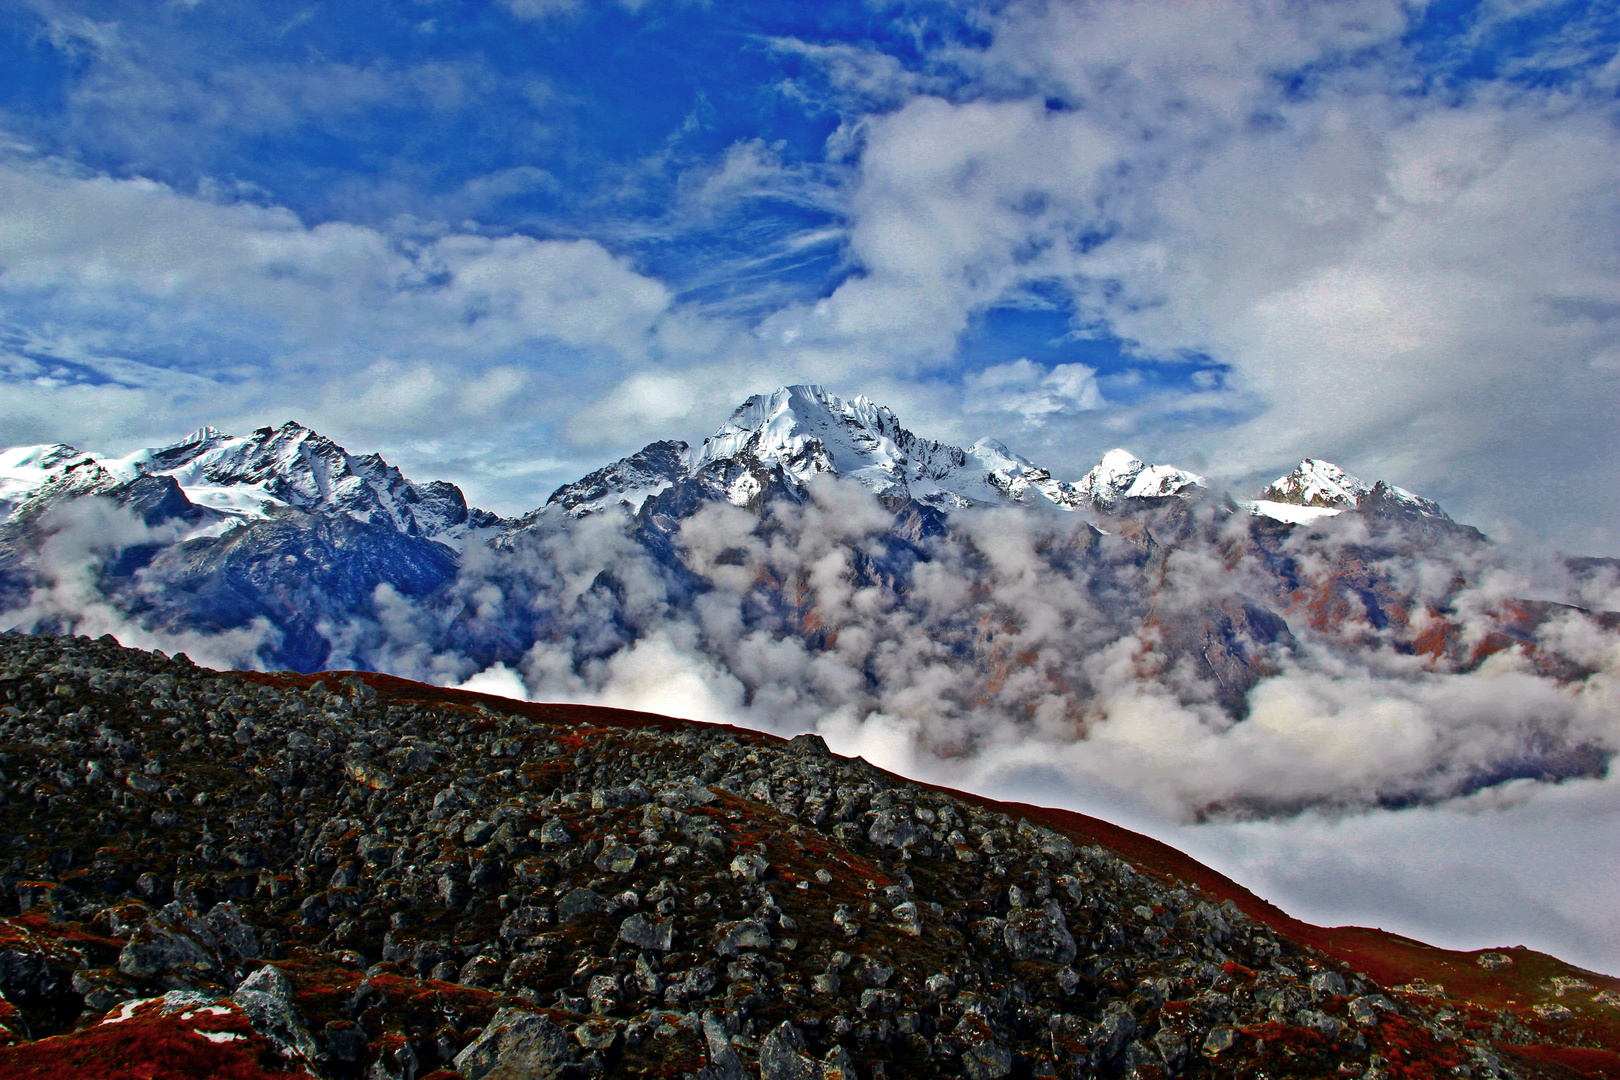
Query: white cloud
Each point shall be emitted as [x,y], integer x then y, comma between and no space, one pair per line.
[96,242]
[1526,866]
[1424,287]
[1031,391]
[1025,657]
[1428,286]
[542,10]
[956,206]
[499,680]
[151,311]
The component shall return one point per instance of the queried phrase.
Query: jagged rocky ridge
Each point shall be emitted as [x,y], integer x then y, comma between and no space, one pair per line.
[284,532]
[281,550]
[263,875]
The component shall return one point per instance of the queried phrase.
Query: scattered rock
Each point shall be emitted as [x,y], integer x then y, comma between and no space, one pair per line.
[1039,934]
[734,937]
[393,883]
[750,867]
[515,1045]
[578,903]
[646,933]
[783,1055]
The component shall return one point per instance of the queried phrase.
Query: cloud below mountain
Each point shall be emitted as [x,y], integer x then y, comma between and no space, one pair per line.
[1018,652]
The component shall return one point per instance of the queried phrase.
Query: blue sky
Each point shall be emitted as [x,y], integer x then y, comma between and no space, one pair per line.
[504,242]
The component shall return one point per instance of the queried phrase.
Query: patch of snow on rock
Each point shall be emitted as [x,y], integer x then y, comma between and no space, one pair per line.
[1316,483]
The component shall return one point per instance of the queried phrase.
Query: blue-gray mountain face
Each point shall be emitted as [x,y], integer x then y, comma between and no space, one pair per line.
[814,560]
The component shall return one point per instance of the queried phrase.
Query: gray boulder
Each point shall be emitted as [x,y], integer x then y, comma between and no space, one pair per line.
[516,1045]
[724,1064]
[158,950]
[236,935]
[750,867]
[1039,934]
[268,980]
[986,1061]
[734,937]
[266,998]
[645,933]
[896,828]
[783,1055]
[1114,1031]
[1329,983]
[616,859]
[579,902]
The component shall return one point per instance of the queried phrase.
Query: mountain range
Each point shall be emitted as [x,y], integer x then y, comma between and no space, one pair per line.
[865,559]
[774,444]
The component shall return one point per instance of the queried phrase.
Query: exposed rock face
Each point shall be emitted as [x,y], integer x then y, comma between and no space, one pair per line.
[281,549]
[356,876]
[628,481]
[516,1045]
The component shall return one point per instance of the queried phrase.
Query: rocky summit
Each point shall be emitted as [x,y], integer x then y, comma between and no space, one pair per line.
[350,875]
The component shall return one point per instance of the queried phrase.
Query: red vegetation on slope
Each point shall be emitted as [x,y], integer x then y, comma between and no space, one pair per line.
[1473,991]
[153,1044]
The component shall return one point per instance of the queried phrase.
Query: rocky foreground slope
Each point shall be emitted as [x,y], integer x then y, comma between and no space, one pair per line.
[251,875]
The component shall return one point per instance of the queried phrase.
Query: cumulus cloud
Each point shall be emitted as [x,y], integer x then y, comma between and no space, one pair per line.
[1032,392]
[1527,866]
[956,206]
[1019,646]
[223,313]
[1016,650]
[97,241]
[1422,282]
[499,680]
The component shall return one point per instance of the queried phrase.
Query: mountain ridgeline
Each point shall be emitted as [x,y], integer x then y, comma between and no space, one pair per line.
[813,557]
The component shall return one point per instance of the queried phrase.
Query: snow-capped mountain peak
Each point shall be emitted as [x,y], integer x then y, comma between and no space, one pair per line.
[201,436]
[1122,475]
[297,466]
[630,481]
[28,472]
[1317,489]
[806,431]
[1316,483]
[796,433]
[241,478]
[995,455]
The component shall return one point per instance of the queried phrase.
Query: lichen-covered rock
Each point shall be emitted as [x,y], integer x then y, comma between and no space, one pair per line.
[1039,934]
[783,1055]
[732,938]
[751,867]
[163,950]
[516,1045]
[579,902]
[645,933]
[266,998]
